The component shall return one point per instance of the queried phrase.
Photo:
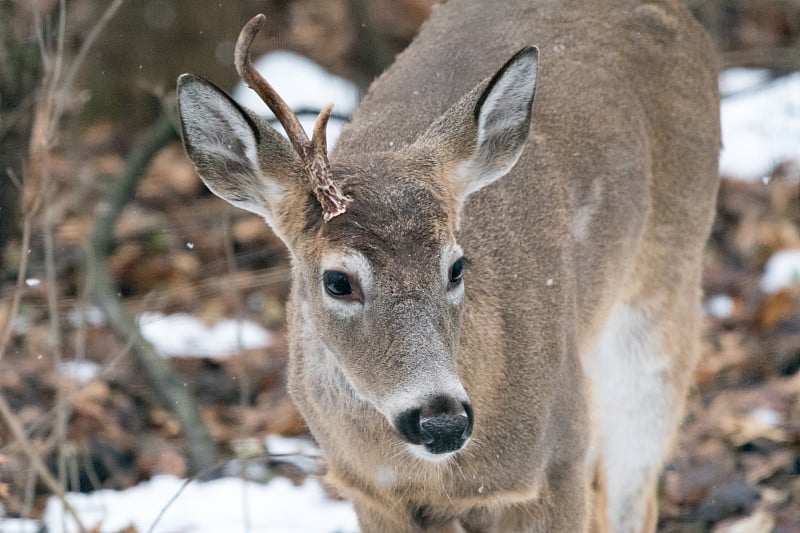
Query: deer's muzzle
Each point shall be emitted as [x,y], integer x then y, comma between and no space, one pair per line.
[442,425]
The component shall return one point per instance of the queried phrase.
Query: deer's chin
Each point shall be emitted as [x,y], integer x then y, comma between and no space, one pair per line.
[419,451]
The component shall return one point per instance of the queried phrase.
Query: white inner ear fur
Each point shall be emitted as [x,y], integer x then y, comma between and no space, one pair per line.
[224,124]
[448,255]
[358,268]
[507,105]
[217,129]
[503,122]
[221,145]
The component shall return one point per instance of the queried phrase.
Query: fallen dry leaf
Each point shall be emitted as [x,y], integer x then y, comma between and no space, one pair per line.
[758,522]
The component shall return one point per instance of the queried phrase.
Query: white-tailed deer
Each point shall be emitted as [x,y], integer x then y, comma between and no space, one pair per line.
[495,313]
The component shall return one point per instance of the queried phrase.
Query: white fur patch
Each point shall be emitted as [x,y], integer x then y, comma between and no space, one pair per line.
[633,403]
[275,194]
[586,211]
[582,222]
[475,174]
[419,451]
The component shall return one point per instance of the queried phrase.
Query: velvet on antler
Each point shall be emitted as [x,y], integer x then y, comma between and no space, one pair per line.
[314,152]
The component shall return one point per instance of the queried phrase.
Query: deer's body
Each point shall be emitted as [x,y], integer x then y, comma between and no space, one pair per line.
[574,335]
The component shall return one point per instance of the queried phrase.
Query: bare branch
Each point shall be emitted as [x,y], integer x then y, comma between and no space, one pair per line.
[76,64]
[22,272]
[157,371]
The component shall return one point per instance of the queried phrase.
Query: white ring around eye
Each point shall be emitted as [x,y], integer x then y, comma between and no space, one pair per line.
[358,269]
[450,254]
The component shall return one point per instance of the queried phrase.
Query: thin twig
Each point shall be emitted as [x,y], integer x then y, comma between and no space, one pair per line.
[10,174]
[55,75]
[244,377]
[245,500]
[52,119]
[80,57]
[60,406]
[30,490]
[38,28]
[256,279]
[203,473]
[230,259]
[80,309]
[19,288]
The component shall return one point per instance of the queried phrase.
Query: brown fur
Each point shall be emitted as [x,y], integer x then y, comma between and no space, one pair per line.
[611,202]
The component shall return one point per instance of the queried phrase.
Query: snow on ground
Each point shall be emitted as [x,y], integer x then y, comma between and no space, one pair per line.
[737,80]
[302,453]
[90,314]
[760,122]
[720,306]
[305,86]
[228,504]
[184,335]
[81,370]
[782,271]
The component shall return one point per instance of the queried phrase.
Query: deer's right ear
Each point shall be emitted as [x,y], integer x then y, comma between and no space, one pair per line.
[502,118]
[223,141]
[485,132]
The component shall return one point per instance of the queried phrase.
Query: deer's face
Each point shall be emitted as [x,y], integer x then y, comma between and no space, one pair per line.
[382,286]
[378,273]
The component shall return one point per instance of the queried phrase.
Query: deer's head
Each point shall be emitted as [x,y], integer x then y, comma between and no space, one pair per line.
[378,272]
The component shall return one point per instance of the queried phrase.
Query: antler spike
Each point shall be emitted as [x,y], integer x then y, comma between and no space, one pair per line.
[248,73]
[319,138]
[313,153]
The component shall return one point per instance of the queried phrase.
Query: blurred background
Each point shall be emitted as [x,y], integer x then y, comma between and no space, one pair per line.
[142,319]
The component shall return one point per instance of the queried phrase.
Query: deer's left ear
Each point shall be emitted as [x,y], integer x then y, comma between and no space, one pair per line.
[485,132]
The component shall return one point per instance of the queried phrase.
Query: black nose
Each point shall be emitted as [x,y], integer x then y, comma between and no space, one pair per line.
[442,425]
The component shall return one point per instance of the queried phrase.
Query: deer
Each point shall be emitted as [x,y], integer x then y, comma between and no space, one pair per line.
[495,304]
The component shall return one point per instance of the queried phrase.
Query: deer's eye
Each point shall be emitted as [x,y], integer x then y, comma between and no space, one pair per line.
[337,284]
[456,272]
